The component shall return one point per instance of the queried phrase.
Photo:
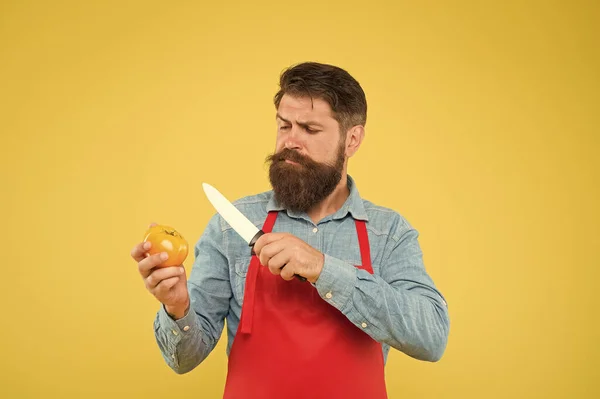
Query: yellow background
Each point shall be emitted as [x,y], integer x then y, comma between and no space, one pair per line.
[482,131]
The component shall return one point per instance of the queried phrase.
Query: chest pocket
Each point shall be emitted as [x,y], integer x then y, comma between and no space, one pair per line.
[239,277]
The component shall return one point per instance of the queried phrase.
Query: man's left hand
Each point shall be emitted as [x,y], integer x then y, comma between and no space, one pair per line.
[285,255]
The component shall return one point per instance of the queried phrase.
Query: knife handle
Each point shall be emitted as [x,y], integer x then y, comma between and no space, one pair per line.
[254,239]
[299,277]
[251,245]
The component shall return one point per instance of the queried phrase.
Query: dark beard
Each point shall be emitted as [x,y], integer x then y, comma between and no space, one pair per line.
[300,187]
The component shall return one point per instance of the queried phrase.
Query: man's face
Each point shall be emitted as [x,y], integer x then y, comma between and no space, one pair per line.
[309,153]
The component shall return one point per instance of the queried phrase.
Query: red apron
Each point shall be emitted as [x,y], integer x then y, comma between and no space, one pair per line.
[291,344]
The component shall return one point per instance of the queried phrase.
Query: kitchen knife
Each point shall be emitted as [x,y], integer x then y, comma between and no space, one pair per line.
[236,219]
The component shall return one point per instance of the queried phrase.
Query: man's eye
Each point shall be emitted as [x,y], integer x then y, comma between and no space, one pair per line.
[309,130]
[284,127]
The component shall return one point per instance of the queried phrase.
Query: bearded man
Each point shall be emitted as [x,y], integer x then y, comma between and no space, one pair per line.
[363,286]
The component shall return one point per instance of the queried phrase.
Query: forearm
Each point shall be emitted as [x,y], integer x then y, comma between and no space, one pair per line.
[409,316]
[182,342]
[185,342]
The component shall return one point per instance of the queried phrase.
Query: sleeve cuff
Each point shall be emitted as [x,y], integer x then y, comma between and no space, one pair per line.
[183,325]
[336,282]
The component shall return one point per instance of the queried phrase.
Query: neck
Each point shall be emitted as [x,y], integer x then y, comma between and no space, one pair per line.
[332,203]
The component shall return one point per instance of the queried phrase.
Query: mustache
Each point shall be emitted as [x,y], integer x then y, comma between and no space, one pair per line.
[291,155]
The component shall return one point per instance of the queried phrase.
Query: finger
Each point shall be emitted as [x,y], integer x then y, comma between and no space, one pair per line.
[164,286]
[146,265]
[163,273]
[267,238]
[270,250]
[287,272]
[139,251]
[277,262]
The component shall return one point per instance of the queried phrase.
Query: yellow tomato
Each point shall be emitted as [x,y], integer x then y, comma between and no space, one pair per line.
[167,239]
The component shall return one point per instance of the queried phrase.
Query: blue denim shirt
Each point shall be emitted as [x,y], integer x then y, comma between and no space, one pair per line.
[398,305]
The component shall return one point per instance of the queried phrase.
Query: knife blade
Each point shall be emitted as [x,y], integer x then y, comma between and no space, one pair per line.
[236,219]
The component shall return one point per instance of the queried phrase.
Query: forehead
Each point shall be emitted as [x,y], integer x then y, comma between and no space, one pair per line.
[302,109]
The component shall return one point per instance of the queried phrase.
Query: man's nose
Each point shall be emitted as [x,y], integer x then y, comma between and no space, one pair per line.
[292,145]
[292,141]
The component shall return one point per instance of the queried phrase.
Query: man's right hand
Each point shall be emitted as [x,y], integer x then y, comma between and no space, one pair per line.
[167,284]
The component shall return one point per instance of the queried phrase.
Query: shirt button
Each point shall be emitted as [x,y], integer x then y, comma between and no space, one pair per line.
[174,332]
[328,295]
[315,230]
[364,325]
[186,328]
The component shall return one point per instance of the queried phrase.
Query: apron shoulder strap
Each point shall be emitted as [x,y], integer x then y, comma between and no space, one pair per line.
[269,221]
[363,243]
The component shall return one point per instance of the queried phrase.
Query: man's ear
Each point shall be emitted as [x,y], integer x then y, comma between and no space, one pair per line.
[354,138]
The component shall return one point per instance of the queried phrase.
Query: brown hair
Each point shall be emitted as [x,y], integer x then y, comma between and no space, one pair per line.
[330,83]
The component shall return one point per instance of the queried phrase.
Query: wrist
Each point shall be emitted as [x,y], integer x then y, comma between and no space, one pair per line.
[177,312]
[313,279]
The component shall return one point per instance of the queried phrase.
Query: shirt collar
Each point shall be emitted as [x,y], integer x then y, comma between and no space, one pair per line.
[353,205]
